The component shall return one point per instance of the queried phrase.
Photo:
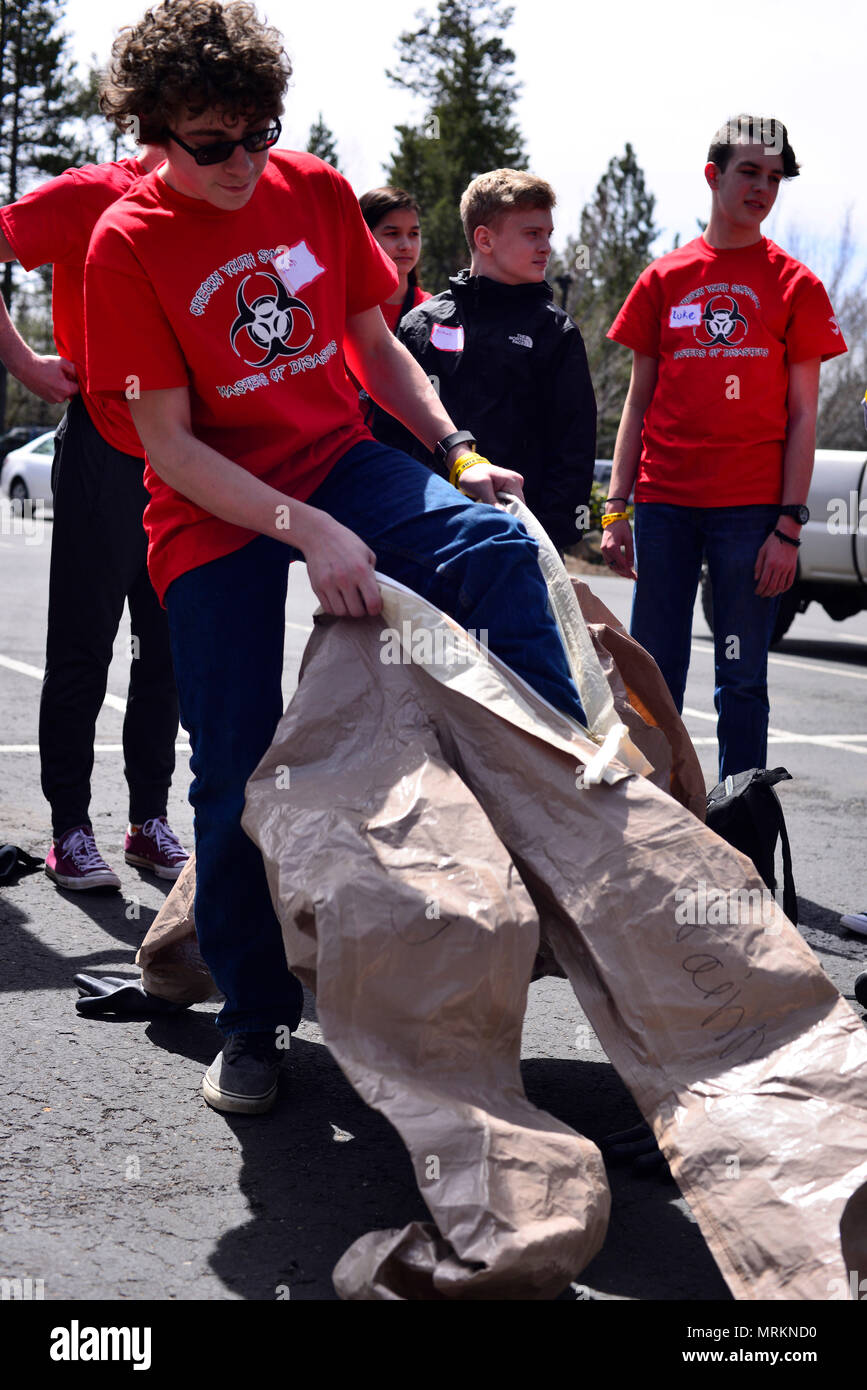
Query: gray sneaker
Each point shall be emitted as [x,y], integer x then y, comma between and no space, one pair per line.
[243,1077]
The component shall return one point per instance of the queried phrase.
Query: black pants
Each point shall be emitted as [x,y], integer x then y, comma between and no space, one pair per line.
[98,561]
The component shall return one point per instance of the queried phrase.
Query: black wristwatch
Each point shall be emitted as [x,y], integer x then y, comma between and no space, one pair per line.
[798,512]
[790,540]
[443,446]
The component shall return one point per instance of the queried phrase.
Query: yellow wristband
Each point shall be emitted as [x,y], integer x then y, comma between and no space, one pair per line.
[609,518]
[462,463]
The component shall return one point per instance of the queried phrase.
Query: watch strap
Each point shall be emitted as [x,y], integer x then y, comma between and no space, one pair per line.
[443,446]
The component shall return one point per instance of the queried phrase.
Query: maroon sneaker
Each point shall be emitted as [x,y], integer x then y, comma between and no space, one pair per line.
[74,861]
[155,846]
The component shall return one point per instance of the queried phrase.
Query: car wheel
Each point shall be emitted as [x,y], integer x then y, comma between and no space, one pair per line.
[18,490]
[790,604]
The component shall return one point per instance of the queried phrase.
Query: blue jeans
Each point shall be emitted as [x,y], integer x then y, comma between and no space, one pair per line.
[669,542]
[226,620]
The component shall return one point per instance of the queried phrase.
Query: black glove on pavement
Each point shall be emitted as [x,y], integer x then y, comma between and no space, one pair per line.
[118,994]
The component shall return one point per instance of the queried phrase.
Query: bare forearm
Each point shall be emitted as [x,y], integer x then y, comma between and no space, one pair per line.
[627,451]
[228,491]
[53,379]
[16,355]
[798,458]
[396,382]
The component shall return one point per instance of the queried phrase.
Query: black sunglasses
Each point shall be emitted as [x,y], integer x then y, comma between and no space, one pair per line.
[221,150]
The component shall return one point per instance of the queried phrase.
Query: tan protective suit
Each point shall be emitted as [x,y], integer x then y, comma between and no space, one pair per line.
[419,819]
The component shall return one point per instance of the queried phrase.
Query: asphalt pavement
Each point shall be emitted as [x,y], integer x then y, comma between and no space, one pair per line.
[120,1183]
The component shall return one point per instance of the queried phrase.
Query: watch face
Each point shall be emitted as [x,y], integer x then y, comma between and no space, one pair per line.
[801,514]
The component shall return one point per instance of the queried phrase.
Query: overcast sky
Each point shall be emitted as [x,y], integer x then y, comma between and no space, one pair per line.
[594,76]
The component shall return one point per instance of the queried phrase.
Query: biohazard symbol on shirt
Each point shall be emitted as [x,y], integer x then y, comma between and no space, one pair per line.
[270,323]
[722,322]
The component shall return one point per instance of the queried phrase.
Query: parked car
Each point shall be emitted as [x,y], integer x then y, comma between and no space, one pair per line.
[602,471]
[26,472]
[18,436]
[832,560]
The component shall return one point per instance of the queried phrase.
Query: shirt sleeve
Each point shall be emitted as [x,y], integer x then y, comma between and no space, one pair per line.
[45,227]
[813,330]
[130,343]
[637,324]
[370,275]
[571,444]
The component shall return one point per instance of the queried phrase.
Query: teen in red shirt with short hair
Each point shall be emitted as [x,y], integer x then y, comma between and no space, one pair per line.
[728,334]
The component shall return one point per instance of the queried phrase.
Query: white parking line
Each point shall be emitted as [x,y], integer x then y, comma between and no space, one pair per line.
[24,669]
[97,747]
[793,661]
[846,742]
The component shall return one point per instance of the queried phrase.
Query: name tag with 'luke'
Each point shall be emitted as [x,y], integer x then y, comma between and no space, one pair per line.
[447,339]
[685,315]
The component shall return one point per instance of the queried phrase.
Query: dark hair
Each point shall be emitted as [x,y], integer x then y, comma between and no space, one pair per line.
[753,130]
[377,203]
[191,55]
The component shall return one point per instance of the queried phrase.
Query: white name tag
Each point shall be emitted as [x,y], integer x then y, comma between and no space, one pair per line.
[297,267]
[684,315]
[447,339]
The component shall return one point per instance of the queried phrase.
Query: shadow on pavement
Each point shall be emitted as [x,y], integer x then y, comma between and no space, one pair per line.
[319,1171]
[323,1169]
[814,918]
[823,649]
[29,963]
[819,648]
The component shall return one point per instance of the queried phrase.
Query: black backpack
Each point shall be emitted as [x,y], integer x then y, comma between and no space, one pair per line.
[746,811]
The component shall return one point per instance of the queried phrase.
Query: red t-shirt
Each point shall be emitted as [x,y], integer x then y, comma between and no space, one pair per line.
[725,327]
[391,312]
[52,225]
[181,293]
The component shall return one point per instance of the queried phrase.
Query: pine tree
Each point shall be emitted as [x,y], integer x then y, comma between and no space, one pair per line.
[40,101]
[458,62]
[321,142]
[614,246]
[840,266]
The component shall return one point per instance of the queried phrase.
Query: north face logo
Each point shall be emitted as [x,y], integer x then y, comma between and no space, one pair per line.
[521,340]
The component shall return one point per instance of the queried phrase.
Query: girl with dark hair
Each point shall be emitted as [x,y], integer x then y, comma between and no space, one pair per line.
[393,218]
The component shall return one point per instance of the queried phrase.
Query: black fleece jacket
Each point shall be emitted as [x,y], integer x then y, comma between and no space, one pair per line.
[512,368]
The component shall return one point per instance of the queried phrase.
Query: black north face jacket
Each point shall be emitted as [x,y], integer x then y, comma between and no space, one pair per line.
[510,366]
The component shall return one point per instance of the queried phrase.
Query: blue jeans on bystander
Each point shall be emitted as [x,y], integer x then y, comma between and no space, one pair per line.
[669,543]
[226,620]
